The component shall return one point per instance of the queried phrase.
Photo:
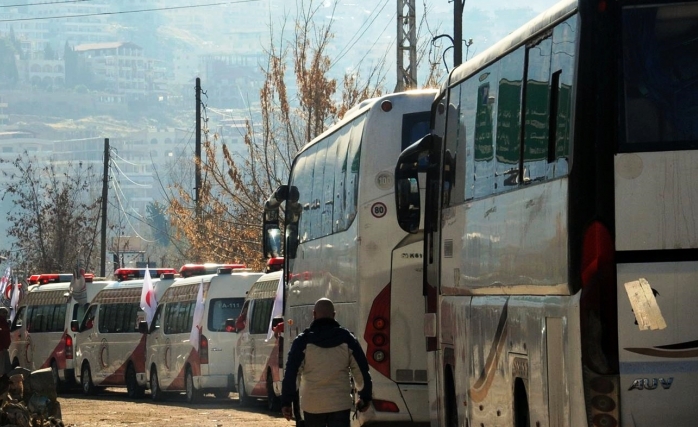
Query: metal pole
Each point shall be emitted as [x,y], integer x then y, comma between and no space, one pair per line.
[105,192]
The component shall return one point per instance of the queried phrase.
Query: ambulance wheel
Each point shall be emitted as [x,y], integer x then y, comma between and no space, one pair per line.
[273,401]
[243,399]
[134,390]
[88,387]
[193,395]
[155,390]
[54,374]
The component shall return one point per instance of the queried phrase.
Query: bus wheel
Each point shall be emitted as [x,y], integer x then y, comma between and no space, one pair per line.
[155,391]
[134,390]
[243,398]
[273,401]
[521,414]
[193,395]
[88,387]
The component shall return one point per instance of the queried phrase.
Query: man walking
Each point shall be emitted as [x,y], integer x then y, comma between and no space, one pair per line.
[325,356]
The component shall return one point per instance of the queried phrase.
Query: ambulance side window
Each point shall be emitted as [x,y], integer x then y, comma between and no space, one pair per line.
[261,312]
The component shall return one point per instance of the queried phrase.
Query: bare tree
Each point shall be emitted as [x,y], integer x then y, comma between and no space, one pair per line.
[55,220]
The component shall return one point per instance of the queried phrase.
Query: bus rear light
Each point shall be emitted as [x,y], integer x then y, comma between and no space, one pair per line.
[386,106]
[68,347]
[378,356]
[377,333]
[604,420]
[385,406]
[379,340]
[203,350]
[379,323]
[597,252]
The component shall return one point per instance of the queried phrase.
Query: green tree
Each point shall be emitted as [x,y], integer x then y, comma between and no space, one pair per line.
[54,223]
[157,219]
[8,65]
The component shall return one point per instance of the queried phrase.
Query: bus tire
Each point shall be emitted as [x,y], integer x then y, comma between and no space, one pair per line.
[88,387]
[193,395]
[155,390]
[273,401]
[134,390]
[243,399]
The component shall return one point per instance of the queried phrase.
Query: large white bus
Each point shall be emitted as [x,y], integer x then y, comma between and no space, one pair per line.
[559,220]
[342,242]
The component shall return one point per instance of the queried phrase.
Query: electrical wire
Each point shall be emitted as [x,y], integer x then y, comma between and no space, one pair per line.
[45,3]
[342,54]
[346,46]
[116,186]
[113,154]
[155,9]
[126,176]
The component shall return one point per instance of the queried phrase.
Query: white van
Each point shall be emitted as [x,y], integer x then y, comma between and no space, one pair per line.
[110,349]
[258,359]
[40,332]
[172,363]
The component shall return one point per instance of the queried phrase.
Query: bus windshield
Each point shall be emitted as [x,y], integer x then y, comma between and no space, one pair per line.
[660,68]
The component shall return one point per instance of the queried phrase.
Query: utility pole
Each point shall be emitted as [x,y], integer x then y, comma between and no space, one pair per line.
[105,192]
[198,149]
[406,46]
[458,32]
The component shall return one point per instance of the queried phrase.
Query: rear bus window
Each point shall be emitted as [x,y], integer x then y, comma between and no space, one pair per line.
[222,309]
[660,68]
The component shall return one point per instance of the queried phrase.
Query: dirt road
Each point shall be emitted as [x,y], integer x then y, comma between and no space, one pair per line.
[113,408]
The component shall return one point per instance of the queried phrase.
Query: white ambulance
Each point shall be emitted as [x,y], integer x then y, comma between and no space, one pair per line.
[257,353]
[172,363]
[110,350]
[40,332]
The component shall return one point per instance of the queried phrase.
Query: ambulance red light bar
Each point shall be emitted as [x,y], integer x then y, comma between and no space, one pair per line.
[46,278]
[122,274]
[275,264]
[190,270]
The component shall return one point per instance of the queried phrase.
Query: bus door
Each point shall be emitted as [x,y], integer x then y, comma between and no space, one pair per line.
[656,201]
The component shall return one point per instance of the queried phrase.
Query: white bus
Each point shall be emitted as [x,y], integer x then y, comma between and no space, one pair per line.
[560,226]
[40,332]
[342,242]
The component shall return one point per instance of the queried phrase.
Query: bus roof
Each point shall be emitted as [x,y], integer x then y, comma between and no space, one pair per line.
[546,19]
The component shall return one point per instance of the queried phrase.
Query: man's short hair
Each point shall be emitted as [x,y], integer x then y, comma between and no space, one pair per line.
[324,308]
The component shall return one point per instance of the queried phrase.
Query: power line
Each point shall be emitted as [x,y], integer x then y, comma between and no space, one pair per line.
[347,48]
[45,3]
[155,9]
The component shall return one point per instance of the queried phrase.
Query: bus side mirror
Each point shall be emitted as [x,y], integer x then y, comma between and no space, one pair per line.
[74,326]
[143,327]
[271,231]
[412,161]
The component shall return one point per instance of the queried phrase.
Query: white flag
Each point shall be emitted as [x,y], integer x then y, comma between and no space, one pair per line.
[198,320]
[5,283]
[278,308]
[149,301]
[78,288]
[14,302]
